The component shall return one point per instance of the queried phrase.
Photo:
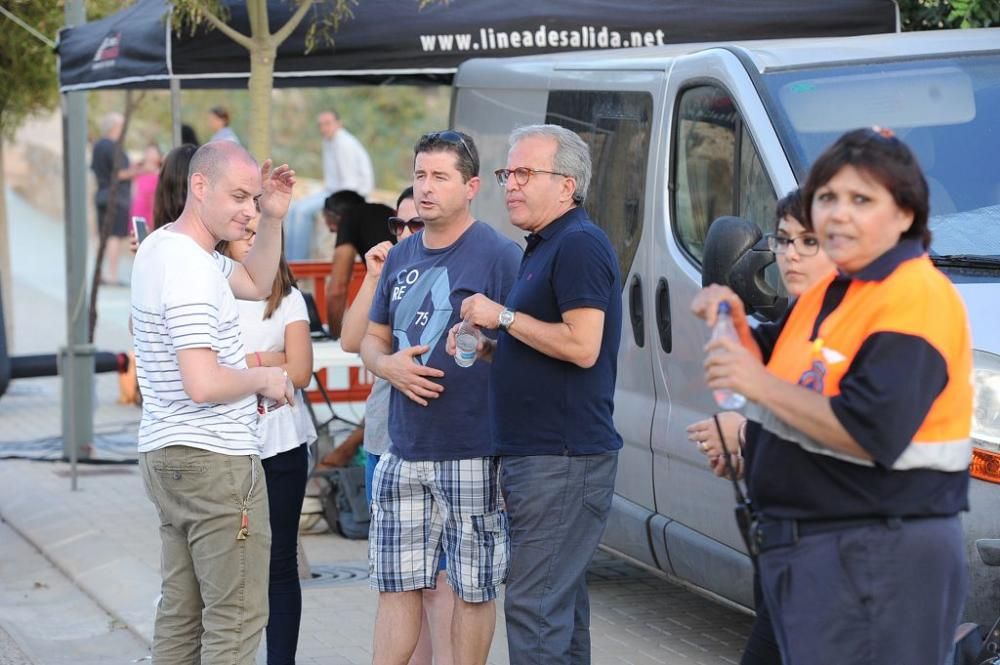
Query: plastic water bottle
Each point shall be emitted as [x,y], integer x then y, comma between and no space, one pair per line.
[724,328]
[466,343]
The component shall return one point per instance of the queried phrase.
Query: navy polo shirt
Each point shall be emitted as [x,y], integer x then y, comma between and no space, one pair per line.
[541,405]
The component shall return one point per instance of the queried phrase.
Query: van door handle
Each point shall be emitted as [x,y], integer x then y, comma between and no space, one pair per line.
[635,311]
[663,324]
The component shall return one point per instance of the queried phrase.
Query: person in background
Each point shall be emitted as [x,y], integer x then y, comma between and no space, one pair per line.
[188,135]
[346,166]
[275,333]
[861,417]
[434,645]
[218,122]
[359,227]
[802,263]
[111,167]
[172,185]
[144,183]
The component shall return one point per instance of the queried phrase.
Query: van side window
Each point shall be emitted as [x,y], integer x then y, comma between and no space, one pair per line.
[716,170]
[616,126]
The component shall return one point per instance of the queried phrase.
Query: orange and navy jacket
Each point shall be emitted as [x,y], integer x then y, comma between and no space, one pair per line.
[891,348]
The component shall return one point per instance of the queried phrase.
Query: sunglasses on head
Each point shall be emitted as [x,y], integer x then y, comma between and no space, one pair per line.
[449,136]
[397,224]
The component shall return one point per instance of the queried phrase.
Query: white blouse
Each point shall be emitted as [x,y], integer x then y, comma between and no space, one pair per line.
[284,428]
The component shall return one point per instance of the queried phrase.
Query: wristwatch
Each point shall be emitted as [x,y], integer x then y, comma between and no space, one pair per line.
[506,319]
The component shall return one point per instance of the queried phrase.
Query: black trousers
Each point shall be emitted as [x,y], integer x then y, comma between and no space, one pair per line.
[889,592]
[286,475]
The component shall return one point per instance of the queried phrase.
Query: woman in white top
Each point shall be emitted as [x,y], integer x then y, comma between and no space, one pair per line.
[276,334]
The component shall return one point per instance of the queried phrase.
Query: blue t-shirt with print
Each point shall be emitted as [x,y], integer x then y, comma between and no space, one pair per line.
[420,296]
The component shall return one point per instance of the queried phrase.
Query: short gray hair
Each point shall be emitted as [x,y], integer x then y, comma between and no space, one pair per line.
[572,156]
[109,121]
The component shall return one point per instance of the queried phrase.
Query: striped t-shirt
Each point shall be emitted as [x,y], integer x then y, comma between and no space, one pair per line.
[181,299]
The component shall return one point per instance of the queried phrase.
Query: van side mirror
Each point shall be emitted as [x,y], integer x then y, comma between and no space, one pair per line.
[736,255]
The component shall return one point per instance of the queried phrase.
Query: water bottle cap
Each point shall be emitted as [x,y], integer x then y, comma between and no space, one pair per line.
[724,308]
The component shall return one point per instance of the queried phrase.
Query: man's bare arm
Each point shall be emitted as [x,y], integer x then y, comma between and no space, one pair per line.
[575,339]
[254,278]
[205,381]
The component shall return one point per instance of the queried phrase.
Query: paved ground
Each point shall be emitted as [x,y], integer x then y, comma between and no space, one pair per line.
[102,538]
[46,618]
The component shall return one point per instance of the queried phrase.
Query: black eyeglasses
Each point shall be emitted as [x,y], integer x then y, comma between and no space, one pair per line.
[449,136]
[397,224]
[806,244]
[522,174]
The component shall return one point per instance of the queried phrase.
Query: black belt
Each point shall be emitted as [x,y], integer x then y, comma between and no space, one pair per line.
[769,534]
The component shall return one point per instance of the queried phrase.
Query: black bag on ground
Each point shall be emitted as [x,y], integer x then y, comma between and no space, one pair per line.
[345,505]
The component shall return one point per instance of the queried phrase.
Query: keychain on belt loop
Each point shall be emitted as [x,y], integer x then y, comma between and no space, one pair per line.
[244,531]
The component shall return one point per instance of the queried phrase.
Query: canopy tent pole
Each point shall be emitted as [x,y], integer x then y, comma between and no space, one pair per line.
[175,110]
[77,357]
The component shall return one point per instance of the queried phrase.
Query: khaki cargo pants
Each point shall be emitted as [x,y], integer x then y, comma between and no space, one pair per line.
[216,546]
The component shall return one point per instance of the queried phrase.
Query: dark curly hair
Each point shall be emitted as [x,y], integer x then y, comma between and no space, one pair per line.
[886,159]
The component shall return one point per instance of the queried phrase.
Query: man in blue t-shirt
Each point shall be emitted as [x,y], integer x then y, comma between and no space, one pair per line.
[552,394]
[436,490]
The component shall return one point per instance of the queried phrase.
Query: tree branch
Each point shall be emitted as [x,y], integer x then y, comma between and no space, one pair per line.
[224,28]
[260,29]
[283,33]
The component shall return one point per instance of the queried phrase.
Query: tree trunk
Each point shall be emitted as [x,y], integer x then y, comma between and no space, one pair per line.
[6,274]
[260,86]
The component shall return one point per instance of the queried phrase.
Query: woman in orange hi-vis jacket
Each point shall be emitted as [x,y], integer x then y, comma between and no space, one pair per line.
[860,407]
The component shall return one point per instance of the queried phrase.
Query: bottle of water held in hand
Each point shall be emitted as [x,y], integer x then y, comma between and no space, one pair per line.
[466,343]
[724,328]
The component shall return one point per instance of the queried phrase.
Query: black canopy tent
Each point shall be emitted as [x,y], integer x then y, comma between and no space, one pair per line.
[386,41]
[397,42]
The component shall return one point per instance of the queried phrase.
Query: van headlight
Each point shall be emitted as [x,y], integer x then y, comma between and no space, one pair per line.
[986,417]
[986,395]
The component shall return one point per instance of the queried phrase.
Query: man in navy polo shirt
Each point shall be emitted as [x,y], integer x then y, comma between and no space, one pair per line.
[553,384]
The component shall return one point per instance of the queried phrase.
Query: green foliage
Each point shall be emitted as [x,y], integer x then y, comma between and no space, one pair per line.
[325,19]
[190,15]
[28,82]
[27,64]
[386,119]
[936,14]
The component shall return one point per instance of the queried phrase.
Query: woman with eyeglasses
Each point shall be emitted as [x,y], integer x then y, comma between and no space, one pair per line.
[802,263]
[860,424]
[434,644]
[275,333]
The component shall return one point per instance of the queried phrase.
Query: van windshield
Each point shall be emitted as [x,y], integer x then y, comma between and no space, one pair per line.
[947,110]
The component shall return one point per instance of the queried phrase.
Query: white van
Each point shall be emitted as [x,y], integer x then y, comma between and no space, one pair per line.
[681,135]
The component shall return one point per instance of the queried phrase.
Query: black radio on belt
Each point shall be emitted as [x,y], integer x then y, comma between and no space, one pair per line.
[745,517]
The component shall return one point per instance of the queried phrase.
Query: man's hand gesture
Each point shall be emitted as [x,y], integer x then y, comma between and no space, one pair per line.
[375,258]
[409,377]
[276,190]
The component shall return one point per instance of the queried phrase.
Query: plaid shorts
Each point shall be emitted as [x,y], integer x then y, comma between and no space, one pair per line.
[423,509]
